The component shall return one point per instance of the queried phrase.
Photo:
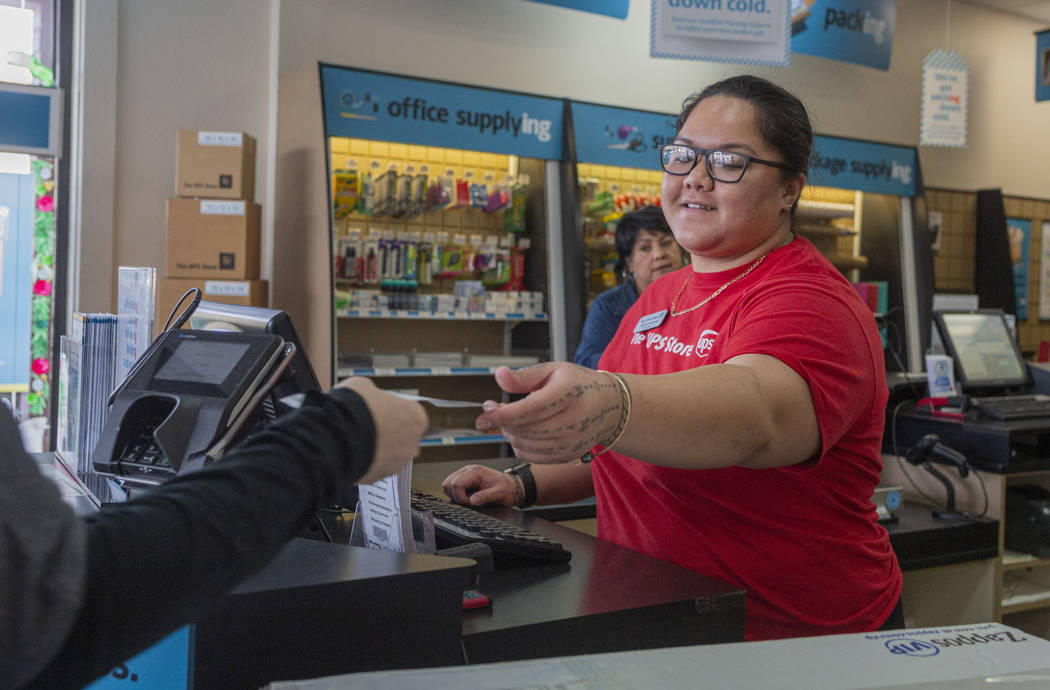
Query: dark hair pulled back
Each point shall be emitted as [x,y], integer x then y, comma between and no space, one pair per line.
[780,116]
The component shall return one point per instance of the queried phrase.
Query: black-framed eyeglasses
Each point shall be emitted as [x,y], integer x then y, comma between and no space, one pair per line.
[723,166]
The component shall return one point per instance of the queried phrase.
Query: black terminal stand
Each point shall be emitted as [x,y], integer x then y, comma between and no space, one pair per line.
[928,450]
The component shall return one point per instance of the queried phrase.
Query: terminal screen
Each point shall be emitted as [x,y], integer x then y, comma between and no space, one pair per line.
[202,361]
[983,349]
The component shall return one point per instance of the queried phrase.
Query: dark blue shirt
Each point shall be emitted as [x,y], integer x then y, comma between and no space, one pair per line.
[603,318]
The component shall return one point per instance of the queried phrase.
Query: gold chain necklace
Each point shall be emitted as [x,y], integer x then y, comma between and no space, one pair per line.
[714,294]
[790,236]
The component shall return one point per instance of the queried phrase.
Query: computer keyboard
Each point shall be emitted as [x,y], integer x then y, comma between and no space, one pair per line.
[456,524]
[1012,407]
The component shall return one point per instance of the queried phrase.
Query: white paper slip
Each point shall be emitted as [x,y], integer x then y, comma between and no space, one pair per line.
[436,402]
[379,509]
[295,401]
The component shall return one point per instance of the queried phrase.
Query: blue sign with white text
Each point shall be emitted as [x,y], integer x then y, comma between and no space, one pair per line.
[1019,232]
[370,105]
[16,284]
[616,9]
[29,119]
[164,666]
[619,136]
[857,31]
[1042,66]
[863,165]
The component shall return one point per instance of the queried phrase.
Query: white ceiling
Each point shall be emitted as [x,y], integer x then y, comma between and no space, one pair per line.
[1038,10]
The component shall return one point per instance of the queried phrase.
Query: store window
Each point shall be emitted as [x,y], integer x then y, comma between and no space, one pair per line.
[27,226]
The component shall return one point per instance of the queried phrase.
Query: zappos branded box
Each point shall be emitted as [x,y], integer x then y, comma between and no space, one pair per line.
[214,165]
[210,238]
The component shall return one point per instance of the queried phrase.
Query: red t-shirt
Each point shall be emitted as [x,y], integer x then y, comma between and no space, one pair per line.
[803,540]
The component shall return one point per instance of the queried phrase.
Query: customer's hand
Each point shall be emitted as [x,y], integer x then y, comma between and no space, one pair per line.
[567,411]
[399,423]
[477,485]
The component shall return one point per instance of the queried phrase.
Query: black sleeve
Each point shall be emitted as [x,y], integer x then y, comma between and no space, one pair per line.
[164,559]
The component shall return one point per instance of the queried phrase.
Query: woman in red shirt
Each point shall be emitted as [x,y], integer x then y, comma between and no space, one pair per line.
[741,433]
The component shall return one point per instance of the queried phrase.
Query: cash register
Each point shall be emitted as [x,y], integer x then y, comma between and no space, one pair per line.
[994,377]
[1001,419]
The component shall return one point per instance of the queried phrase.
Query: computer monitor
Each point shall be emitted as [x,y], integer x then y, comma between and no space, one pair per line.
[217,316]
[986,355]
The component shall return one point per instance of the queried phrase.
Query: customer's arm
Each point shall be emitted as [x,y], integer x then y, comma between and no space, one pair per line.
[42,552]
[163,560]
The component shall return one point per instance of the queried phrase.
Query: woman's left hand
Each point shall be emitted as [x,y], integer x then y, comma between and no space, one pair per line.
[567,410]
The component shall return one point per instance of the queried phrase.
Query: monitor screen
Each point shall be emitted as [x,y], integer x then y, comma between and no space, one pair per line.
[216,316]
[201,361]
[985,353]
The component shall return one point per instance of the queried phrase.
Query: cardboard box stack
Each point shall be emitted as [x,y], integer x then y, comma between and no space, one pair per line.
[213,222]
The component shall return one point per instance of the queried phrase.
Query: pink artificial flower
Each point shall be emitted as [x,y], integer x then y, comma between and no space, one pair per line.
[41,366]
[42,287]
[45,203]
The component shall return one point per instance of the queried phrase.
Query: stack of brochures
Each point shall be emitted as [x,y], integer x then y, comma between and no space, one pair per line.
[86,372]
[136,296]
[95,357]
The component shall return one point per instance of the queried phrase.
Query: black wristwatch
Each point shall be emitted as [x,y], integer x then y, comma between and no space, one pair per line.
[528,483]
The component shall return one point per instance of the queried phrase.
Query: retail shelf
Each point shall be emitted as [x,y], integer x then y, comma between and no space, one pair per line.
[848,262]
[1015,560]
[460,437]
[822,230]
[439,316]
[824,209]
[345,372]
[1029,605]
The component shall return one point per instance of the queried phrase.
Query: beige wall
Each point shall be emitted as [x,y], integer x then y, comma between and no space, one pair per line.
[210,65]
[548,50]
[194,64]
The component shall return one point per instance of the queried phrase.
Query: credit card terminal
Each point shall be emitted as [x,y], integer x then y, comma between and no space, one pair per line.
[183,400]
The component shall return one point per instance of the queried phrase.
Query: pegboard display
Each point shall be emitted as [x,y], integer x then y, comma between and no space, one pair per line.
[954,258]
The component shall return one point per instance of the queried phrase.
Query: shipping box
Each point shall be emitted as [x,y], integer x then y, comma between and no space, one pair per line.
[250,293]
[209,238]
[215,165]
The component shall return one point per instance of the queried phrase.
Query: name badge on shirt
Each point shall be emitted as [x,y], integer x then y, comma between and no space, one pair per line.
[650,321]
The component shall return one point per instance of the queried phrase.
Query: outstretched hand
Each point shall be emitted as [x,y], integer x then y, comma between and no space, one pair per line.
[399,424]
[567,410]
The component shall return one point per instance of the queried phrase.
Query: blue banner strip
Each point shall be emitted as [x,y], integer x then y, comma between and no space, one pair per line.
[630,138]
[617,9]
[857,31]
[385,107]
[863,165]
[620,136]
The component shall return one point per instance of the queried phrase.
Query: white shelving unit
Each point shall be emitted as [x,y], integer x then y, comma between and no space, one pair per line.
[440,315]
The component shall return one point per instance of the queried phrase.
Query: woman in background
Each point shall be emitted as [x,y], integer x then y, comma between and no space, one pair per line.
[647,251]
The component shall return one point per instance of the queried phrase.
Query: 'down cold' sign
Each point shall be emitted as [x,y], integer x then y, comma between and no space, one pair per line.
[743,31]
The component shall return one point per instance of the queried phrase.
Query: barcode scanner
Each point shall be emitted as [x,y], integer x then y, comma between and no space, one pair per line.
[928,450]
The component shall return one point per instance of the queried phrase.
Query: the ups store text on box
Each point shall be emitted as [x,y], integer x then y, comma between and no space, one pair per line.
[208,238]
[215,165]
